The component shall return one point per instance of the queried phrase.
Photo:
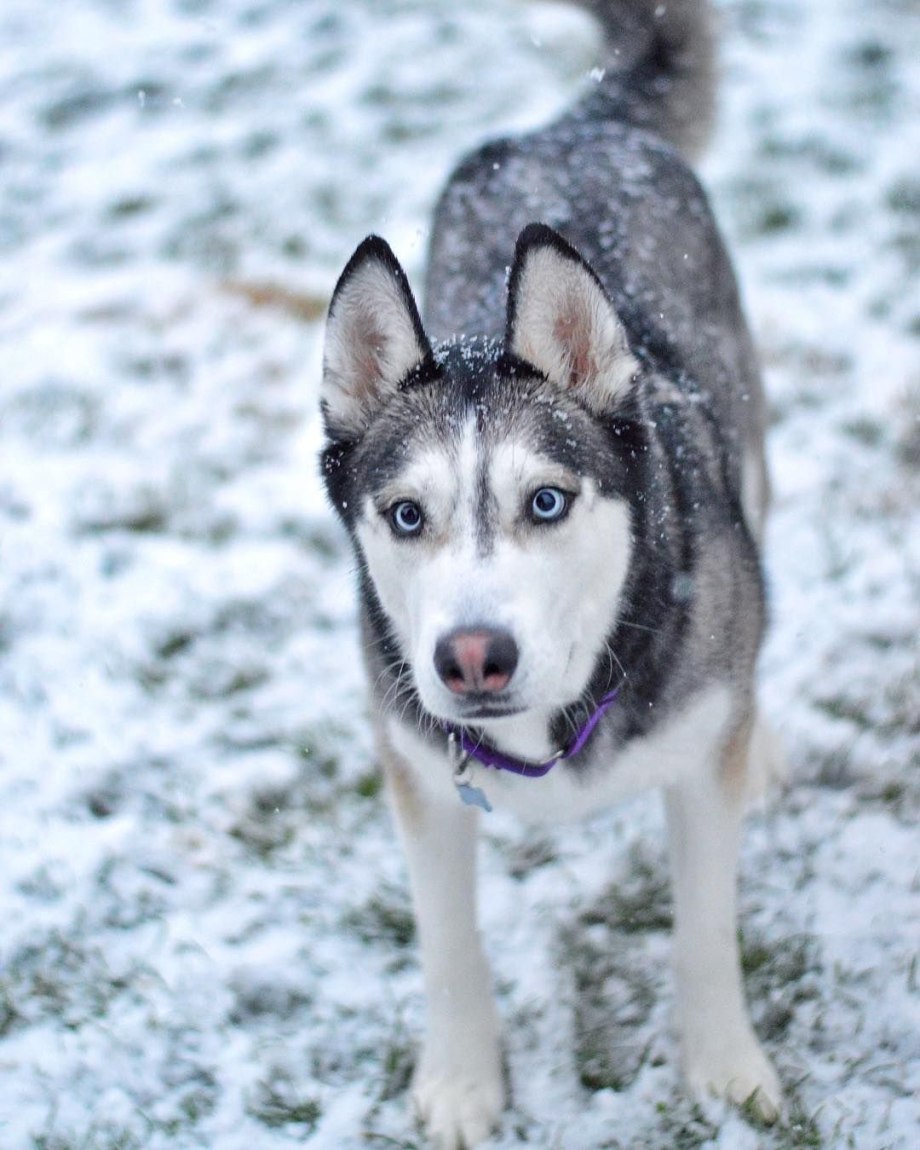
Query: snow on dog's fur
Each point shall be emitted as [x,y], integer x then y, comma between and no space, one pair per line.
[562,502]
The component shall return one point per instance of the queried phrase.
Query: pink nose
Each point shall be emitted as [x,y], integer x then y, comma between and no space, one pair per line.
[479,661]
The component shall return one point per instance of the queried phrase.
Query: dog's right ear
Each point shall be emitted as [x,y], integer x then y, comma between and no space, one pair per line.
[374,338]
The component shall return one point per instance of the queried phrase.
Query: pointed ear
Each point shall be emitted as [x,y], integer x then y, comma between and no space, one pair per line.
[561,320]
[374,338]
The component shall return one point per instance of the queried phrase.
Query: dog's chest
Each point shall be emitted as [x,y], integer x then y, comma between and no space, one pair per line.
[679,746]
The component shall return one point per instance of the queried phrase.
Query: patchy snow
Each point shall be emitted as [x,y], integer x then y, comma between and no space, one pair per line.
[206,939]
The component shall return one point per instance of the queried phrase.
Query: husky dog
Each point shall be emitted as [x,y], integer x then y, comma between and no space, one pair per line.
[555,489]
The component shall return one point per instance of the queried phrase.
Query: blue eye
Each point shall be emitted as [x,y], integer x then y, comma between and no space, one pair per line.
[548,504]
[406,517]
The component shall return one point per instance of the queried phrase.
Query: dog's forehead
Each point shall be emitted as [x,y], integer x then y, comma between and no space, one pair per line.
[475,383]
[475,397]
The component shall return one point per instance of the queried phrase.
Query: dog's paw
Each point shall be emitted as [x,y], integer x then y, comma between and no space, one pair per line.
[458,1110]
[738,1071]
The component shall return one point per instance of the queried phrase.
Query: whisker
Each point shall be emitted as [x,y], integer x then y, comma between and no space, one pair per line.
[638,626]
[615,660]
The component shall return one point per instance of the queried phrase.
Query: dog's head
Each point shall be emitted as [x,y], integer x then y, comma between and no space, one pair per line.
[485,483]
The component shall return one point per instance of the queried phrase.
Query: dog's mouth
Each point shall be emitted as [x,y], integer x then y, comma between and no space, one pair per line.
[474,710]
[492,712]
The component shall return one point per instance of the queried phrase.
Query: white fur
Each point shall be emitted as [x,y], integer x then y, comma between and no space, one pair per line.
[720,1052]
[681,748]
[458,1086]
[566,326]
[767,765]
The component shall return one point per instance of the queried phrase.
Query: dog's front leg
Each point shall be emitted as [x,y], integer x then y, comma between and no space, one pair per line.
[720,1051]
[457,1087]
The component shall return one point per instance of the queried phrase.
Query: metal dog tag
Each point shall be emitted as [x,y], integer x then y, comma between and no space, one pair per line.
[473,796]
[463,776]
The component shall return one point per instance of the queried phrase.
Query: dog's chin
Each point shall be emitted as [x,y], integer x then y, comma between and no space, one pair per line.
[461,711]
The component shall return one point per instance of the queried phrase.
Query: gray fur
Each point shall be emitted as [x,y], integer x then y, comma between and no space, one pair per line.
[607,180]
[658,70]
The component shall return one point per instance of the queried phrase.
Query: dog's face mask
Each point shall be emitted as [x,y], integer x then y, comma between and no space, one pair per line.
[484,483]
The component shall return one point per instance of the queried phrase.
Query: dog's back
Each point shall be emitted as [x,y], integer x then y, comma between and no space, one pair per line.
[657,89]
[612,176]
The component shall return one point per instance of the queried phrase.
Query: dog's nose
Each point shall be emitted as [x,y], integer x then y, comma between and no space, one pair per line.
[479,661]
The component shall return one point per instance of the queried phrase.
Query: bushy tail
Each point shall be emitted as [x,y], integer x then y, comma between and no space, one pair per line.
[660,68]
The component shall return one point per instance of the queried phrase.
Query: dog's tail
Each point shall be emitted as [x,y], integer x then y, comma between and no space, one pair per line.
[660,69]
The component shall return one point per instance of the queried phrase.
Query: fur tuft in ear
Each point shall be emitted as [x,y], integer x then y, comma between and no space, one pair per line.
[374,338]
[561,321]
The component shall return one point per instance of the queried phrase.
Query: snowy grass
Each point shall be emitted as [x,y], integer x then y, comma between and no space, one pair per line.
[207,939]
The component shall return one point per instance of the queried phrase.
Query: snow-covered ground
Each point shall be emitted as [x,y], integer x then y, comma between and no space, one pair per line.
[206,940]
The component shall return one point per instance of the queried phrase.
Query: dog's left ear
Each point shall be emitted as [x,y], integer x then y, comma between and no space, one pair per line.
[561,321]
[374,338]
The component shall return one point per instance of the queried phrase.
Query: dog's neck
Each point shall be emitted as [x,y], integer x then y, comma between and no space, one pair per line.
[525,737]
[535,762]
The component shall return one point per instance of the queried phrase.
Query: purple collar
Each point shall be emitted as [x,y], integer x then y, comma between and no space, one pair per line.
[489,756]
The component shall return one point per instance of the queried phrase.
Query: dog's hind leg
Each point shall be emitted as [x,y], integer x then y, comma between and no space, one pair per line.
[720,1052]
[458,1088]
